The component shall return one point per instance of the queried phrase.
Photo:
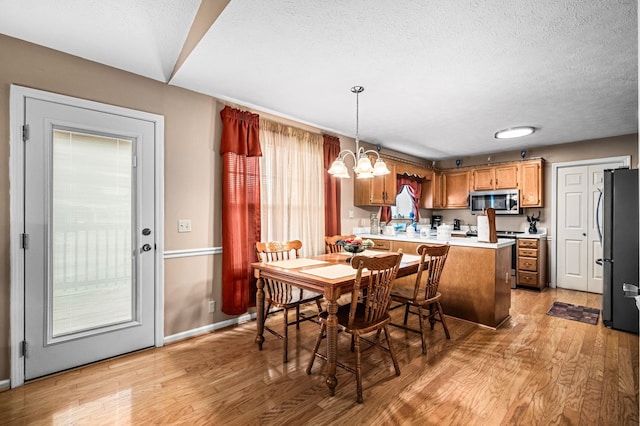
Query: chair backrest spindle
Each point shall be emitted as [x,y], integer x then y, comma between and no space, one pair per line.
[278,250]
[377,282]
[432,261]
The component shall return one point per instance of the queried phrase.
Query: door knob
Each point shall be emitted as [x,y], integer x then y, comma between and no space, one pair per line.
[146,247]
[584,234]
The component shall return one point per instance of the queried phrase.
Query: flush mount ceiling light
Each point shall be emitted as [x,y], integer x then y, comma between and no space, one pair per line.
[514,132]
[363,167]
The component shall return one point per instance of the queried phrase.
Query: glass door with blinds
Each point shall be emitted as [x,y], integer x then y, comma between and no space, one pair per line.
[89,227]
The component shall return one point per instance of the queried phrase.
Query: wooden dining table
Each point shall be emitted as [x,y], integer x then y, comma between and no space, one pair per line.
[329,274]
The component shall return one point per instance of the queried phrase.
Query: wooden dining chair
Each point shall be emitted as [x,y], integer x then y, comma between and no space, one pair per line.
[331,243]
[281,295]
[367,313]
[423,295]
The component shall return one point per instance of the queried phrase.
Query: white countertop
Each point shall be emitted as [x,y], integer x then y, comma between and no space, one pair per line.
[454,241]
[542,234]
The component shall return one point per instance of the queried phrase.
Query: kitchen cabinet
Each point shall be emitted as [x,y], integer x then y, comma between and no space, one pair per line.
[506,176]
[496,177]
[532,262]
[376,191]
[455,188]
[381,244]
[531,183]
[482,179]
[431,196]
[438,199]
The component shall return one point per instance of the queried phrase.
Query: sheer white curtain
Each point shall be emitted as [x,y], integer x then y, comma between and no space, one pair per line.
[292,186]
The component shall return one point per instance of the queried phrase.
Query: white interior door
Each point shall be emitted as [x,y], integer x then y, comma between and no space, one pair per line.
[578,244]
[594,251]
[89,214]
[572,228]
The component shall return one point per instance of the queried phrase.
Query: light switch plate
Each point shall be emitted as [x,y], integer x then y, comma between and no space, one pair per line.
[184,225]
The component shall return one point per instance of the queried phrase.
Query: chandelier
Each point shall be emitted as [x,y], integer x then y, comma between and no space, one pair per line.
[363,167]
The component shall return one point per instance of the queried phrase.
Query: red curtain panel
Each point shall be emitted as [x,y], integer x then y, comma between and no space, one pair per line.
[240,151]
[415,190]
[332,226]
[414,184]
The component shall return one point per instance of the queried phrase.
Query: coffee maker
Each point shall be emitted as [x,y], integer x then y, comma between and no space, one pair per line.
[456,224]
[436,220]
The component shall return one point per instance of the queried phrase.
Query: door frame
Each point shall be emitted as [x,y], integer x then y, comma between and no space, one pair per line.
[625,159]
[17,97]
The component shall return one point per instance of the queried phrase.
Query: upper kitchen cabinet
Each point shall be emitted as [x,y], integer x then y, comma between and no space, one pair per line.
[496,177]
[431,196]
[483,178]
[438,198]
[531,183]
[376,191]
[455,187]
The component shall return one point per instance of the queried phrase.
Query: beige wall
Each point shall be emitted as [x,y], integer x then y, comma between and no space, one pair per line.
[192,188]
[192,171]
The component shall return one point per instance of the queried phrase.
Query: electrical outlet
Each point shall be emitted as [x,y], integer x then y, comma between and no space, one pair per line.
[184,225]
[212,306]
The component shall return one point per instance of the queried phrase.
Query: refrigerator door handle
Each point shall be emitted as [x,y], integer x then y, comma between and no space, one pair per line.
[598,217]
[630,290]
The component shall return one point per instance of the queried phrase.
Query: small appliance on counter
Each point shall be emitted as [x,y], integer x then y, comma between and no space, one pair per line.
[425,232]
[436,220]
[456,224]
[443,233]
[389,230]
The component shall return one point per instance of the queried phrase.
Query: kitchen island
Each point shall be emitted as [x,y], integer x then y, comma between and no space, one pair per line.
[476,280]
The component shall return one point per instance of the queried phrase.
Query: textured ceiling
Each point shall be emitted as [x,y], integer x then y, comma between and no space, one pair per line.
[440,77]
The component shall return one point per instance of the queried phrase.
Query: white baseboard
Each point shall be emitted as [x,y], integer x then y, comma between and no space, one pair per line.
[208,328]
[5,384]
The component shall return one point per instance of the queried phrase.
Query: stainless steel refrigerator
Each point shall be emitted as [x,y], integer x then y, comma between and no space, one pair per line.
[619,239]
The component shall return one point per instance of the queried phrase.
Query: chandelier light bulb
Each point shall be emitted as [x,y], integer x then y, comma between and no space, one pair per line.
[364,168]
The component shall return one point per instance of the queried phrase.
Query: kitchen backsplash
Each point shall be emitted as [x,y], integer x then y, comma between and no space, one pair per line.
[503,222]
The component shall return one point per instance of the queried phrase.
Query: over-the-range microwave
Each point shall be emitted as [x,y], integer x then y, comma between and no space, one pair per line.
[503,201]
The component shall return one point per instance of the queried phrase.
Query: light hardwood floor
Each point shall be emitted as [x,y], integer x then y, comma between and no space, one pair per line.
[535,370]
